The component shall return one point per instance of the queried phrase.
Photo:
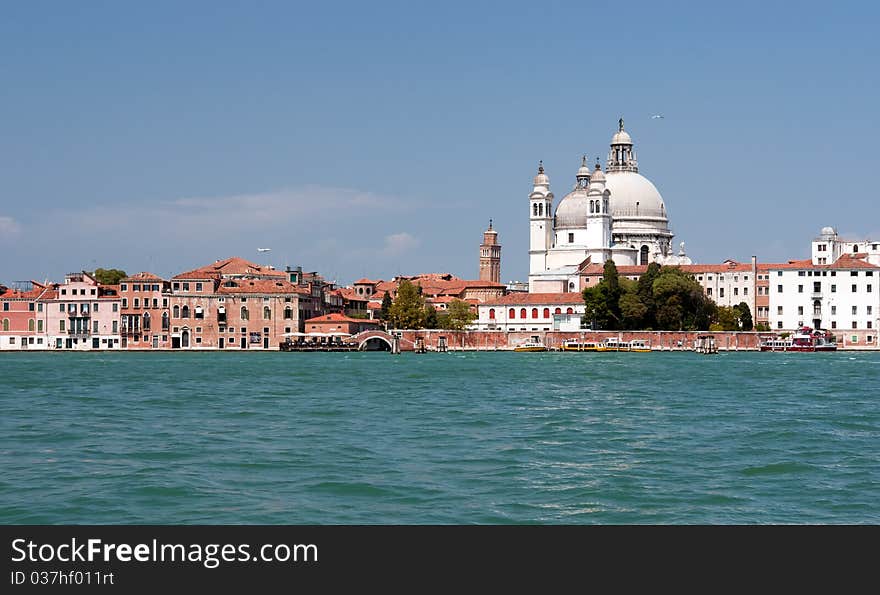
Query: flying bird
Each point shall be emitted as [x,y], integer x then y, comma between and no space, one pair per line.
[657,117]
[263,249]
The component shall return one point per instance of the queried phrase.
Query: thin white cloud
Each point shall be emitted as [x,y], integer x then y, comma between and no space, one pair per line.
[291,209]
[9,228]
[398,244]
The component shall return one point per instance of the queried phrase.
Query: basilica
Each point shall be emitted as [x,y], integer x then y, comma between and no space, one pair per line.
[617,214]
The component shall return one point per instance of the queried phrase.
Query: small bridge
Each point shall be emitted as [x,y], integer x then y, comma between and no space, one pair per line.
[376,340]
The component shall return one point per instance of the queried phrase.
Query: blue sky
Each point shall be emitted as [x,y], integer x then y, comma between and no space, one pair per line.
[375,139]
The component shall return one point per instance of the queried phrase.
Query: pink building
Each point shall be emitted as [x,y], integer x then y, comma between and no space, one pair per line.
[145,317]
[23,317]
[237,304]
[82,314]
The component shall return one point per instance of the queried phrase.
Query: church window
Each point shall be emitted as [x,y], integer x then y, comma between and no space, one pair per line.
[571,238]
[643,256]
[558,311]
[522,313]
[511,313]
[592,210]
[546,312]
[491,313]
[535,209]
[569,311]
[541,209]
[534,312]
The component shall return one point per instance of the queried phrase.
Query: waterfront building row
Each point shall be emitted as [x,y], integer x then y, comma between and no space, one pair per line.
[230,304]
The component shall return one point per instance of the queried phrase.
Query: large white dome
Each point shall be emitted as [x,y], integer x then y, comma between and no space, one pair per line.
[633,195]
[572,210]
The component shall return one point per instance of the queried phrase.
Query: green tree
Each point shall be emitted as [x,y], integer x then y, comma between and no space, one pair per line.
[430,317]
[596,311]
[612,281]
[745,316]
[632,310]
[108,276]
[646,295]
[602,301]
[386,306]
[727,319]
[408,308]
[680,302]
[460,315]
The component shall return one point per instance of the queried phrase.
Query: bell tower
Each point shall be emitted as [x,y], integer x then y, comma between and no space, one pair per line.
[540,221]
[490,256]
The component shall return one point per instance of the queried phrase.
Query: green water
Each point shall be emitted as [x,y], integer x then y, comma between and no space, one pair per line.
[440,438]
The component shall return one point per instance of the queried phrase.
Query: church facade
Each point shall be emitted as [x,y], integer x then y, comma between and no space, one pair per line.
[616,214]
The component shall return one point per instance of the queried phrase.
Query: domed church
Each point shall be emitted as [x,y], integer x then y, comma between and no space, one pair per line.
[617,214]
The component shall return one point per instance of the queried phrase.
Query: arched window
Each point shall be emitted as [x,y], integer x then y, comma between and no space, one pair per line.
[558,311]
[855,247]
[184,312]
[592,207]
[522,313]
[288,313]
[643,257]
[31,325]
[511,313]
[491,313]
[535,209]
[244,313]
[164,321]
[6,324]
[534,312]
[546,312]
[176,311]
[569,311]
[146,321]
[267,313]
[541,209]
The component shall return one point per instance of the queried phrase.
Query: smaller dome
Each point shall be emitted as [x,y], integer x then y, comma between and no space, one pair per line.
[584,169]
[541,179]
[597,175]
[828,231]
[621,137]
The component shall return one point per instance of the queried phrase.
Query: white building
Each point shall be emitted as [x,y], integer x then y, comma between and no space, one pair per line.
[617,214]
[838,289]
[828,247]
[531,312]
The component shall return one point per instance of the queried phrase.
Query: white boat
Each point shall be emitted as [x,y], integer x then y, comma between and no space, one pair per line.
[533,344]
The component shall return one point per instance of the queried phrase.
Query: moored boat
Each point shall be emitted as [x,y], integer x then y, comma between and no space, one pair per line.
[533,344]
[574,345]
[804,339]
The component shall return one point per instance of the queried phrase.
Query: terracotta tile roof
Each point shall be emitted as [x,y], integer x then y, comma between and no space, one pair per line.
[374,306]
[108,292]
[233,266]
[336,317]
[846,262]
[516,299]
[351,295]
[365,282]
[34,292]
[144,276]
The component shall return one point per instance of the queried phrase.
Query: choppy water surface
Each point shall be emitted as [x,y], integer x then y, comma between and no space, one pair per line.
[440,438]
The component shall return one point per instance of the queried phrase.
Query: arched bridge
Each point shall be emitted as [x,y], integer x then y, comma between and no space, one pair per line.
[376,336]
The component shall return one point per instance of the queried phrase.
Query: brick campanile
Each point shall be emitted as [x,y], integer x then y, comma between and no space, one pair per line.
[490,256]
